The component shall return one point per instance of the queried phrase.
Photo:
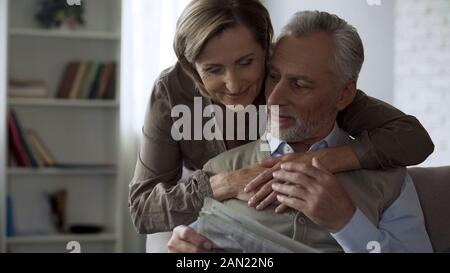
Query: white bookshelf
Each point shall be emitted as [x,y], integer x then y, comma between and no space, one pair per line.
[76,131]
[3,128]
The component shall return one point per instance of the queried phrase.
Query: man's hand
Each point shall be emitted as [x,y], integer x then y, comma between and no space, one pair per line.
[262,184]
[315,192]
[186,240]
[336,159]
[231,184]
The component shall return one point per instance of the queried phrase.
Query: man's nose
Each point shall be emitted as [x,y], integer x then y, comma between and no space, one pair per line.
[277,95]
[232,82]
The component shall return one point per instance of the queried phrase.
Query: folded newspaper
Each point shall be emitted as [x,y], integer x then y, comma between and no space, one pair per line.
[233,232]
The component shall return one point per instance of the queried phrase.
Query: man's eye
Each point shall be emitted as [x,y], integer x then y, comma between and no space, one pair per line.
[301,85]
[272,76]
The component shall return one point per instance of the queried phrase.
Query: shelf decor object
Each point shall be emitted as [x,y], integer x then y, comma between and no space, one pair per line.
[58,13]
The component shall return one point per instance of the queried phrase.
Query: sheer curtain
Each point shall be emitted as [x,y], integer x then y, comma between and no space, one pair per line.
[148,28]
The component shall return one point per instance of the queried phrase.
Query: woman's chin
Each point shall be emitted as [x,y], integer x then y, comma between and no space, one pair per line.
[232,102]
[236,105]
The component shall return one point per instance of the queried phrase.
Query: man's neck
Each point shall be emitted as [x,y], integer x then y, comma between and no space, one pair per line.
[299,147]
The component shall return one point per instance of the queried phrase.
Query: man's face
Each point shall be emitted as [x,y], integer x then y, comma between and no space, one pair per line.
[301,82]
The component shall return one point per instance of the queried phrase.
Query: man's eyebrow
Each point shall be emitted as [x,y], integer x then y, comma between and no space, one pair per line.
[293,76]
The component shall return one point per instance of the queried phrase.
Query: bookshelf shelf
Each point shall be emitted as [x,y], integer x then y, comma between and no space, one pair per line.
[60,171]
[63,103]
[62,238]
[65,34]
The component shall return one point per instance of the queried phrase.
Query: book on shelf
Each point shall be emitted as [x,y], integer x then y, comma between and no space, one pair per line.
[67,80]
[91,74]
[9,217]
[26,146]
[91,94]
[88,80]
[15,146]
[27,89]
[105,80]
[40,150]
[78,81]
[18,144]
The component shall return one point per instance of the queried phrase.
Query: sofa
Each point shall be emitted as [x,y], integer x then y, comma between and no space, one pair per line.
[433,188]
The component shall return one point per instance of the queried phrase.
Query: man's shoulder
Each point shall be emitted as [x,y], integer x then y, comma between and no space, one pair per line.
[387,182]
[237,158]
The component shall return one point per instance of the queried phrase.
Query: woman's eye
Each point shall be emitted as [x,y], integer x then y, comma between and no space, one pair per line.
[214,70]
[246,62]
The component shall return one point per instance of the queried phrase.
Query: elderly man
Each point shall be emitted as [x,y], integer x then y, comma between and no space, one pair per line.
[312,76]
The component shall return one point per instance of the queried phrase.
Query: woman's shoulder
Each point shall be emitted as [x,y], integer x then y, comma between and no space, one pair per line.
[177,83]
[175,72]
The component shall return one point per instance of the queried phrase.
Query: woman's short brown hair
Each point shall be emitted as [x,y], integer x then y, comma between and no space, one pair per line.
[203,19]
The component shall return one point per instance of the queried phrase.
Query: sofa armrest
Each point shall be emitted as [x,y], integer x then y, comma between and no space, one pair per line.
[433,188]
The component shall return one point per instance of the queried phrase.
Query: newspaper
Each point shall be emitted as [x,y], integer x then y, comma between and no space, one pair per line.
[233,232]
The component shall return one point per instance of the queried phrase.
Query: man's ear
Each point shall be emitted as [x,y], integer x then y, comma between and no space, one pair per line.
[346,95]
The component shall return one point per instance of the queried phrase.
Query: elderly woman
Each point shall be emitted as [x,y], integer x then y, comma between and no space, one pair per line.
[222,48]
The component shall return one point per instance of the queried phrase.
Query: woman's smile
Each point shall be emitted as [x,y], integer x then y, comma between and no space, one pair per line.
[236,96]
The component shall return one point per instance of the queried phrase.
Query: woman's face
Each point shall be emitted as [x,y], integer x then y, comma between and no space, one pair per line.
[232,67]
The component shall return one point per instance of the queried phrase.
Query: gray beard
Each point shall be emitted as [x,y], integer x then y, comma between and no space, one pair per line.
[302,129]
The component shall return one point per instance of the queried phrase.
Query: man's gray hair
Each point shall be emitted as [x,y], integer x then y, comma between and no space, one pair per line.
[349,55]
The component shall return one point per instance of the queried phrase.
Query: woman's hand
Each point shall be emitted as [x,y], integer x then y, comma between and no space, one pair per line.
[186,240]
[231,184]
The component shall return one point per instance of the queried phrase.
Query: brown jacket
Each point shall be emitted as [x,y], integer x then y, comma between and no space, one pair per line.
[386,137]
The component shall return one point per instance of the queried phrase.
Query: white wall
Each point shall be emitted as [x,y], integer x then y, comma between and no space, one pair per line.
[375,26]
[422,69]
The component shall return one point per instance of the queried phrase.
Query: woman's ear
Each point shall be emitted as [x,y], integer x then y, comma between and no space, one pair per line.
[346,95]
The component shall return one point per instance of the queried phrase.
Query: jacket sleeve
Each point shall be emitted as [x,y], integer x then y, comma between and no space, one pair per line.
[157,201]
[385,136]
